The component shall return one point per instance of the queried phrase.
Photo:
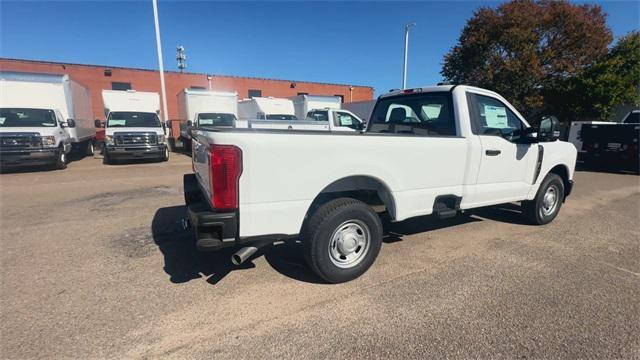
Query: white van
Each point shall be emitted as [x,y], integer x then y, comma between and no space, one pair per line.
[42,117]
[133,129]
[208,108]
[305,103]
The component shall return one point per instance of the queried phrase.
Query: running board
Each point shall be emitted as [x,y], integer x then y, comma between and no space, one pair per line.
[446,206]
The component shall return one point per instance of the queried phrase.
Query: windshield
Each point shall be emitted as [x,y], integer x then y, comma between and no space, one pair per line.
[420,114]
[281,117]
[132,119]
[18,117]
[215,119]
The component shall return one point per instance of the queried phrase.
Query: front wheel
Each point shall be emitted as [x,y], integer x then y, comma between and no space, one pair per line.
[89,149]
[165,157]
[342,239]
[61,160]
[547,203]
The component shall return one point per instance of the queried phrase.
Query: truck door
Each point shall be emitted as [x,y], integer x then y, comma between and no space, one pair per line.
[506,167]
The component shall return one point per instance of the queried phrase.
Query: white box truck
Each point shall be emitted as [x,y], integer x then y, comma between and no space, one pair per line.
[303,104]
[42,117]
[206,108]
[133,129]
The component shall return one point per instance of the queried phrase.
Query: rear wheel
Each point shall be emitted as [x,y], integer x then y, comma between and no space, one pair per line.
[342,239]
[89,148]
[547,203]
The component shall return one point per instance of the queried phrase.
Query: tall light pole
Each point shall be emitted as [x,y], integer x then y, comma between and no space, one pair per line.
[160,63]
[406,50]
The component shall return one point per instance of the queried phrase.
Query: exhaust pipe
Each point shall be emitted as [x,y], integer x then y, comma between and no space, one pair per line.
[243,254]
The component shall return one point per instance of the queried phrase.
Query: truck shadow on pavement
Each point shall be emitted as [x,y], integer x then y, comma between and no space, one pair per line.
[183,262]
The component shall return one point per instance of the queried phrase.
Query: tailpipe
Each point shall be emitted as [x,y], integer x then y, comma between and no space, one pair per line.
[243,254]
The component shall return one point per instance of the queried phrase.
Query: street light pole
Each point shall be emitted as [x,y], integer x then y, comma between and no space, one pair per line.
[406,50]
[160,63]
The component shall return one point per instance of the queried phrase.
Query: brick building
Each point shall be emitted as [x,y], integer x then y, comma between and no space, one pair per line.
[99,77]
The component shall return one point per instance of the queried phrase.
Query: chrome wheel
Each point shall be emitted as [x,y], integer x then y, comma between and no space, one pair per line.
[549,201]
[349,244]
[63,157]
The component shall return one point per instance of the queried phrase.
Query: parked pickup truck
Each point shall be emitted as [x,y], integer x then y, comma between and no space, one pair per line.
[434,150]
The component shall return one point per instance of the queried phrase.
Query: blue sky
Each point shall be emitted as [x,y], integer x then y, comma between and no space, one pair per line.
[343,42]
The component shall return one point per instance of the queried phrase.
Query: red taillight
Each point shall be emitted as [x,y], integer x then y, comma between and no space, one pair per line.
[225,167]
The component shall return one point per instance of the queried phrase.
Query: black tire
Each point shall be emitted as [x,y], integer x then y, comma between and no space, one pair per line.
[61,160]
[171,143]
[537,211]
[106,159]
[89,148]
[165,157]
[325,224]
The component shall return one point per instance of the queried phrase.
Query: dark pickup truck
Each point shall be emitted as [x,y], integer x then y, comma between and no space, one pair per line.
[613,146]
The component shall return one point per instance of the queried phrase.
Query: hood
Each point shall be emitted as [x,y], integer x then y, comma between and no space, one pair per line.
[44,131]
[112,130]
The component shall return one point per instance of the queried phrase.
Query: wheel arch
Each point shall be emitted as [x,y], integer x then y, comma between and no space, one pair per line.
[365,188]
[562,171]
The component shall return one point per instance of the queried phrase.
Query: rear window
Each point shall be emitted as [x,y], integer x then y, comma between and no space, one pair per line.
[633,118]
[422,114]
[281,117]
[215,119]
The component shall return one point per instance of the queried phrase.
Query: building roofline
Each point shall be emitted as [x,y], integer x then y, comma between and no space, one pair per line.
[177,72]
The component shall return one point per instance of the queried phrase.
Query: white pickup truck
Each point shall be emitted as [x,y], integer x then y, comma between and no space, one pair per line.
[434,150]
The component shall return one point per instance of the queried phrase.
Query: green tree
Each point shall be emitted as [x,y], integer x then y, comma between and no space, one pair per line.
[523,48]
[608,82]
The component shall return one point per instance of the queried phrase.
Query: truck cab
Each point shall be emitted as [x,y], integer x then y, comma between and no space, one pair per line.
[132,128]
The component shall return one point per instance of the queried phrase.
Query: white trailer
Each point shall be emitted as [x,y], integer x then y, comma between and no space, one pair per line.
[303,104]
[42,117]
[133,128]
[361,108]
[208,108]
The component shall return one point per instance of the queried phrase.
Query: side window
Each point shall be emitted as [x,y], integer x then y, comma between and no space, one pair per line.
[490,116]
[344,119]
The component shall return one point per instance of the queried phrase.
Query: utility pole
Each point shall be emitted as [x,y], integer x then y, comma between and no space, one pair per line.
[160,63]
[406,50]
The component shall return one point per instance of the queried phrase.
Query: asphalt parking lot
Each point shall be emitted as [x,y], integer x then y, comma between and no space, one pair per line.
[94,265]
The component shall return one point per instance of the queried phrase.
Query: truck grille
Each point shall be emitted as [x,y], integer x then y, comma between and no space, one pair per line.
[20,141]
[135,139]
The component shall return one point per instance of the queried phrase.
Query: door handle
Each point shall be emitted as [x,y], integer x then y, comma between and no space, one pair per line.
[492,152]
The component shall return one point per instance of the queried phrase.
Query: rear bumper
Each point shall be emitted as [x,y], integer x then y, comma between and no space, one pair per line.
[28,157]
[214,230]
[150,152]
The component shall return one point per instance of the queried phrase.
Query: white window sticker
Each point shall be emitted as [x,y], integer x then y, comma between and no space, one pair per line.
[345,120]
[2,119]
[205,121]
[496,117]
[114,122]
[48,124]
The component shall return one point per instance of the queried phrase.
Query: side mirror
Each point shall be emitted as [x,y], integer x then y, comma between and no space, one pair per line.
[97,123]
[549,129]
[71,123]
[189,123]
[358,125]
